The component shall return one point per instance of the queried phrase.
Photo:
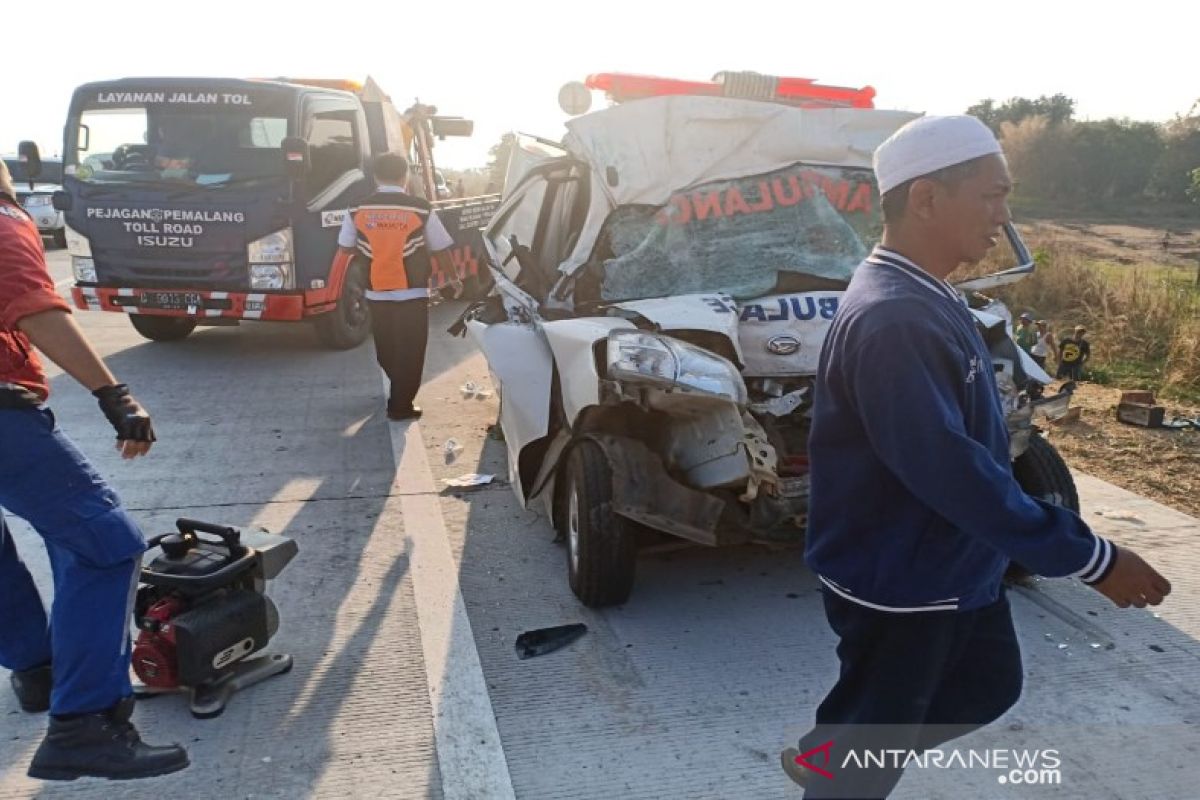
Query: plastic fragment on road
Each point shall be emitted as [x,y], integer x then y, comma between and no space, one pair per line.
[471,389]
[470,479]
[546,640]
[1118,514]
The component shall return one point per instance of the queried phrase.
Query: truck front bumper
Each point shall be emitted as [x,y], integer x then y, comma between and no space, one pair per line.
[194,303]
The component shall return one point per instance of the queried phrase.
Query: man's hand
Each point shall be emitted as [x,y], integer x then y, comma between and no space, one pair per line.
[135,432]
[1133,582]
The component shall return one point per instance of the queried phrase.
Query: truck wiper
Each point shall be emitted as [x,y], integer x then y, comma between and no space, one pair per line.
[117,187]
[237,181]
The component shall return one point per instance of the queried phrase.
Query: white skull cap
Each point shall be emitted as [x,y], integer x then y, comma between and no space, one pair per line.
[928,144]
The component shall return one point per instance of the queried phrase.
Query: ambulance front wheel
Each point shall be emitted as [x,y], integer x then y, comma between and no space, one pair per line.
[162,329]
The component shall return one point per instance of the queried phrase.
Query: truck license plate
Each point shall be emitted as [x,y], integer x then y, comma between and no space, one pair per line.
[171,301]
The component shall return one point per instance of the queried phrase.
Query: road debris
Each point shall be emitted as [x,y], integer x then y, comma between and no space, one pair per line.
[468,480]
[1119,514]
[546,640]
[471,389]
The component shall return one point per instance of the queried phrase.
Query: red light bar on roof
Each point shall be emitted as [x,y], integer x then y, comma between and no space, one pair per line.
[801,92]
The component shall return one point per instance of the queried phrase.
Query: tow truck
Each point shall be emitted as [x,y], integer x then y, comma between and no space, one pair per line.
[212,201]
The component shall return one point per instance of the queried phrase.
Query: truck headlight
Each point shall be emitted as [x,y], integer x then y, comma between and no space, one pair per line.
[270,276]
[271,259]
[84,269]
[652,359]
[77,243]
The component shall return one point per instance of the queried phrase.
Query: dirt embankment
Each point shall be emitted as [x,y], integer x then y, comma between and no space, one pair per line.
[1161,464]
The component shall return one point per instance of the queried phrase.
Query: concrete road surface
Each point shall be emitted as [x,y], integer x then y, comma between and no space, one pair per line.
[404,604]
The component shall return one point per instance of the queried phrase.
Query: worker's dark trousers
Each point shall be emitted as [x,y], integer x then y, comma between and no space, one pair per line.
[908,681]
[94,549]
[401,330]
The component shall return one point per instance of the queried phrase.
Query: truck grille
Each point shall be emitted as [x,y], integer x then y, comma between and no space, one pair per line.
[214,271]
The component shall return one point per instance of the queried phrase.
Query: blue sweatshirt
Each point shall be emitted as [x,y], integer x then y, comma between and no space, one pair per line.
[914,506]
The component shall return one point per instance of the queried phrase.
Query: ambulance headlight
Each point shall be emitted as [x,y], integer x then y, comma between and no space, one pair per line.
[666,363]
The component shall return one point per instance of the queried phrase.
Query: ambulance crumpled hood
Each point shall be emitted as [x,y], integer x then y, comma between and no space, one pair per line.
[644,151]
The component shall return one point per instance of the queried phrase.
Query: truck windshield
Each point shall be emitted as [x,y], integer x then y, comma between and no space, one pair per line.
[200,146]
[746,237]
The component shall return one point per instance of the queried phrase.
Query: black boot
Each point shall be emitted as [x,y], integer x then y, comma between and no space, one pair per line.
[32,687]
[101,745]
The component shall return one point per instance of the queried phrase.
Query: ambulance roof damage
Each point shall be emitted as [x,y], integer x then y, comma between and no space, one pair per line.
[703,194]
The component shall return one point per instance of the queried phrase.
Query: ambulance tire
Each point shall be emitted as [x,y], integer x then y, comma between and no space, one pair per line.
[162,329]
[349,324]
[601,544]
[1043,474]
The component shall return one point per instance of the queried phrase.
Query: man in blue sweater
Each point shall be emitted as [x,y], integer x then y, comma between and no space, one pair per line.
[915,513]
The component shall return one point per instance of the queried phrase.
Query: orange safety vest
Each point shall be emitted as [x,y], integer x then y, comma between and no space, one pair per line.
[391,233]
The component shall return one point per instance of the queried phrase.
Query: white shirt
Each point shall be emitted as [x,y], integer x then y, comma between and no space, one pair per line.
[436,239]
[1042,346]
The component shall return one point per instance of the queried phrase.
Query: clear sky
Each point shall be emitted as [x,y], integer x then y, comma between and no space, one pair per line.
[502,63]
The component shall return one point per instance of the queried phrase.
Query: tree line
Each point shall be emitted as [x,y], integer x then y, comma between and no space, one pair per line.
[1053,156]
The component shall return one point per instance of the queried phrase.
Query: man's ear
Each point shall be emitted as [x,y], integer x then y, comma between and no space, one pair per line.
[921,197]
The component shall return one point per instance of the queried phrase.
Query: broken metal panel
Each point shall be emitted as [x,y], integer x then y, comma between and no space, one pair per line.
[704,439]
[715,312]
[658,146]
[645,493]
[572,341]
[521,366]
[546,474]
[1020,428]
[783,405]
[764,461]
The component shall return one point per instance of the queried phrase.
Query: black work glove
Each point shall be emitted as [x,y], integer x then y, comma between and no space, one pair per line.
[128,418]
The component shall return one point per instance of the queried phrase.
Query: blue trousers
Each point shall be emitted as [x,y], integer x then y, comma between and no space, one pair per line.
[907,682]
[95,551]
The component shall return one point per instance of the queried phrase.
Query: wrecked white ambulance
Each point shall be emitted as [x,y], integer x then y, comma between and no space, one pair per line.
[663,288]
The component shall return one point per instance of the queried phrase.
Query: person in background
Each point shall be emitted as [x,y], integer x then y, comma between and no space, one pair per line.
[401,235]
[1073,353]
[1024,334]
[1044,346]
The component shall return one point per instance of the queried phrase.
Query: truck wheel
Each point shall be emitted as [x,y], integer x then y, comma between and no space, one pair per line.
[60,238]
[162,329]
[349,323]
[1043,474]
[601,545]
